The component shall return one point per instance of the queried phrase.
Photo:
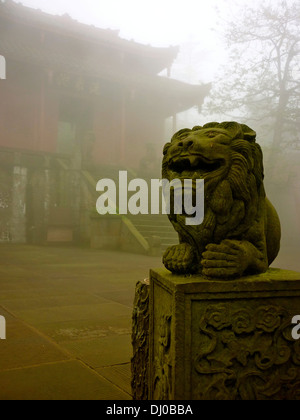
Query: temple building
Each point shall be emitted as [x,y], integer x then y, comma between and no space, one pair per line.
[78,103]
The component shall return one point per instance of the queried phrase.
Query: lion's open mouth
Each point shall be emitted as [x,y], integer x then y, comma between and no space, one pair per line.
[195,163]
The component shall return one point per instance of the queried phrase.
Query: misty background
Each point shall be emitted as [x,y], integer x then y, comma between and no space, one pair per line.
[95,87]
[248,52]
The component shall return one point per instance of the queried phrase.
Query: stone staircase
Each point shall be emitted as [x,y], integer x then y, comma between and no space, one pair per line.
[157,230]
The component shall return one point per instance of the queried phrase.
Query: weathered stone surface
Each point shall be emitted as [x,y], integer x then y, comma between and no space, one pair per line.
[216,340]
[140,342]
[240,234]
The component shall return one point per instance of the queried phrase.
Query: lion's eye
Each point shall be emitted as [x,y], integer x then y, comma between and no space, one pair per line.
[221,139]
[212,134]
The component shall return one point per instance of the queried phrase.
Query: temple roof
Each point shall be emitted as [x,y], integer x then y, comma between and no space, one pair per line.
[64,26]
[62,44]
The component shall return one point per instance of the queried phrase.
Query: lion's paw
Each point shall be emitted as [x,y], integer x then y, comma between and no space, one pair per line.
[181,259]
[228,259]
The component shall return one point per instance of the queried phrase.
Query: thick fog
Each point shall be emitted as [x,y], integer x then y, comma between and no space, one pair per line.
[139,256]
[250,54]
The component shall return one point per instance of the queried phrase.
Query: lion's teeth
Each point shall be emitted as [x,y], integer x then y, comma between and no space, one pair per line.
[194,161]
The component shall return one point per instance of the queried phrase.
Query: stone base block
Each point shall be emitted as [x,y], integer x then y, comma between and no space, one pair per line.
[230,340]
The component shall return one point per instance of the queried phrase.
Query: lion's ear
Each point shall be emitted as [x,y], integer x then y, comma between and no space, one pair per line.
[197,128]
[181,134]
[249,134]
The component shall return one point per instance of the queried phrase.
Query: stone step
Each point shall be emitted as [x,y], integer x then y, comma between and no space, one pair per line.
[164,239]
[150,221]
[158,229]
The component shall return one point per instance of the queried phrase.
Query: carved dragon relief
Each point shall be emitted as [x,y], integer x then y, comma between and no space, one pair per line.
[163,366]
[247,354]
[140,342]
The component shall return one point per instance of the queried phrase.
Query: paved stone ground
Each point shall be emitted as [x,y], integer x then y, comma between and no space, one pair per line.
[68,314]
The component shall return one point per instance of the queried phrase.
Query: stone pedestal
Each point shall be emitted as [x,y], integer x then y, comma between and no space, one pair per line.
[229,340]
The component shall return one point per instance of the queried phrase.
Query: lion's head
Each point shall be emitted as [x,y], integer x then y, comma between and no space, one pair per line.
[230,161]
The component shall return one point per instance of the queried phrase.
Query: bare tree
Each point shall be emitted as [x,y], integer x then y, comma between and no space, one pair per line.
[261,82]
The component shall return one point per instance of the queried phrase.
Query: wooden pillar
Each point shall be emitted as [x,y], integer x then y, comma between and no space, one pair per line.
[42,113]
[18,216]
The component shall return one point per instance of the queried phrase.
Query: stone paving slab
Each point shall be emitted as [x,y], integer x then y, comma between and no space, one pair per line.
[43,302]
[25,347]
[119,296]
[86,329]
[118,374]
[99,312]
[101,352]
[59,381]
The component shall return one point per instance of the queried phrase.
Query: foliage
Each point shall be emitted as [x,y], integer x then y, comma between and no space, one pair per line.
[260,83]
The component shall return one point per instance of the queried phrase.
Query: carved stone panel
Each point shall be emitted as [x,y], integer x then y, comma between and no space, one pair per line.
[245,350]
[213,340]
[163,367]
[140,342]
[161,345]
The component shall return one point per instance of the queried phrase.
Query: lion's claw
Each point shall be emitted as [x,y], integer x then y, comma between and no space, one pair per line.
[181,259]
[228,259]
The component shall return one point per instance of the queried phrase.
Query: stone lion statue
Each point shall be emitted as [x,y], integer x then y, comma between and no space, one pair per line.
[241,232]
